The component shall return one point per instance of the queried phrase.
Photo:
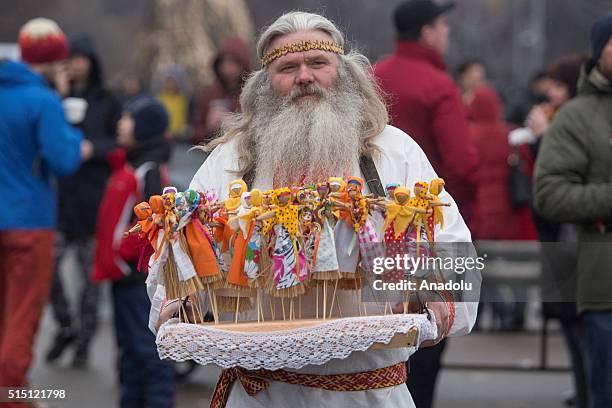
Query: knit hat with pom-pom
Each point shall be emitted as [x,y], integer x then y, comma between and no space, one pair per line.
[42,41]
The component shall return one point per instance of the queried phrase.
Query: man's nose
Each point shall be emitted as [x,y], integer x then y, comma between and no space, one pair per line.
[304,76]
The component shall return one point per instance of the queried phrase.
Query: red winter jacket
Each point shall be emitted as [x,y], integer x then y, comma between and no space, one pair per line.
[425,103]
[495,217]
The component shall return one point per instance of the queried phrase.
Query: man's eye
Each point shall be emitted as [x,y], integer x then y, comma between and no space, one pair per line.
[287,68]
[318,63]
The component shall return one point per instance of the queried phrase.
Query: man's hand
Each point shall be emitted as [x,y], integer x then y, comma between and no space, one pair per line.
[438,308]
[86,150]
[537,120]
[61,79]
[172,308]
[440,312]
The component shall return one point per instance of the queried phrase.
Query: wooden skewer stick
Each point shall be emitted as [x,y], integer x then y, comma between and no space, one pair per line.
[283,306]
[358,298]
[272,310]
[216,305]
[258,314]
[199,312]
[317,301]
[324,299]
[261,307]
[213,304]
[237,306]
[339,307]
[331,309]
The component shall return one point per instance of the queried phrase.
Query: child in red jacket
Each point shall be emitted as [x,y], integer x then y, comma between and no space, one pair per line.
[144,379]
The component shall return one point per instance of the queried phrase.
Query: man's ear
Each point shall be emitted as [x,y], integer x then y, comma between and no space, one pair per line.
[427,35]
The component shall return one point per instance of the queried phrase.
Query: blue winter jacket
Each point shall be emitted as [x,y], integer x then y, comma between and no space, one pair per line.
[36,142]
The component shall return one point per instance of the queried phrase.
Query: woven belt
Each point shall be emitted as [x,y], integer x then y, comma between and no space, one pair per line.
[255,381]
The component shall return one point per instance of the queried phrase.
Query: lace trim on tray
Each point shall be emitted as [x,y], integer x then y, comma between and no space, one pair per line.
[293,348]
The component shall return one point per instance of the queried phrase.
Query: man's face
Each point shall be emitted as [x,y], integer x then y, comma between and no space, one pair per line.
[80,66]
[294,72]
[170,85]
[230,69]
[130,86]
[540,87]
[558,93]
[605,61]
[436,35]
[473,77]
[125,131]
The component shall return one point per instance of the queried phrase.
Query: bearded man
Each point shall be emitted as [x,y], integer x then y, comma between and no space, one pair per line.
[309,113]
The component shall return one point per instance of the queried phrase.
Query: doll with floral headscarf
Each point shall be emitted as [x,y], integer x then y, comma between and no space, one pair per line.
[235,293]
[289,267]
[344,234]
[324,259]
[180,277]
[305,222]
[200,238]
[165,217]
[170,217]
[252,255]
[241,224]
[398,228]
[156,233]
[427,202]
[365,234]
[354,214]
[424,201]
[224,233]
[437,217]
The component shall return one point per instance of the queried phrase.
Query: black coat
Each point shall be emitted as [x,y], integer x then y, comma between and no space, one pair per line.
[81,193]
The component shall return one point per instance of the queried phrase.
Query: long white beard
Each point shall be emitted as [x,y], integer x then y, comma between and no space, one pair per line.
[308,140]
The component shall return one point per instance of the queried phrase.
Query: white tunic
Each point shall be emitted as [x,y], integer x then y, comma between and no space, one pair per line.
[401,161]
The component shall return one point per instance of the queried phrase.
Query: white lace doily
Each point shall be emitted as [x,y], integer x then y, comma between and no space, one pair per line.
[294,348]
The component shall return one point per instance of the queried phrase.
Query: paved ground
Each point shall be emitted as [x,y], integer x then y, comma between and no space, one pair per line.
[95,387]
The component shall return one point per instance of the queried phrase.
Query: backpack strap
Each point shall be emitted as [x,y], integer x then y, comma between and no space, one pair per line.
[370,173]
[140,173]
[366,165]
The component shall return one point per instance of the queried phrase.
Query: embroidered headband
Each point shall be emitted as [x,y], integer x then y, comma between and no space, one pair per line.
[301,46]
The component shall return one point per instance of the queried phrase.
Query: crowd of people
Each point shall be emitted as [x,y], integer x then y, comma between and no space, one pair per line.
[71,147]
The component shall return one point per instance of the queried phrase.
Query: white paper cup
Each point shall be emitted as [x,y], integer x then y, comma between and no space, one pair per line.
[75,109]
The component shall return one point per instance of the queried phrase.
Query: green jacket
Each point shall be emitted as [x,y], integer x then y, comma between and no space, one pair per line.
[573,183]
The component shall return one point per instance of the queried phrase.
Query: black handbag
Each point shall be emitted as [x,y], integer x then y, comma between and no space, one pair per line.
[520,183]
